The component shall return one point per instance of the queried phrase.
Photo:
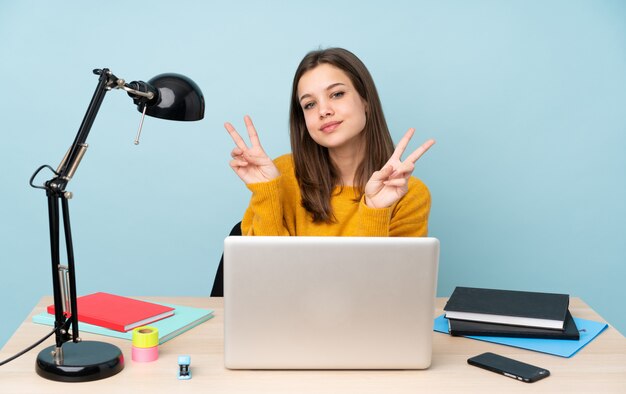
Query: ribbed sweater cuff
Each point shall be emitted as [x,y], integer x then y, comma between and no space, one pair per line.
[374,222]
[264,189]
[266,206]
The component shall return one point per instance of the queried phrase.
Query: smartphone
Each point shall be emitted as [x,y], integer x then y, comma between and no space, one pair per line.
[509,367]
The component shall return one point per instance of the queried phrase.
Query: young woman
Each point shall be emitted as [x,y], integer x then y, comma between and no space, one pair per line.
[343,177]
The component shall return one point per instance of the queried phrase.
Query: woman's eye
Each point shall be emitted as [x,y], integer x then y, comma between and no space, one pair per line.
[337,94]
[308,105]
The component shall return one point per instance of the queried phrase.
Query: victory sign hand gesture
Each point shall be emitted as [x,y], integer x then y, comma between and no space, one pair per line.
[388,185]
[251,164]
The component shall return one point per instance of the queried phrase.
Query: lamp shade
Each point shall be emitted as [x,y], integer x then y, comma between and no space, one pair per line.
[178,98]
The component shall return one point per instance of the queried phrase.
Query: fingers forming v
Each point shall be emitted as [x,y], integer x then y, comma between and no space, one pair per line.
[402,168]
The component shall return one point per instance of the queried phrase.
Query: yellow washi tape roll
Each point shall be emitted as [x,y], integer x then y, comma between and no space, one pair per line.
[145,337]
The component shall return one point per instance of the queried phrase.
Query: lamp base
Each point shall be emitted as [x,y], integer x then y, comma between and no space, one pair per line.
[82,362]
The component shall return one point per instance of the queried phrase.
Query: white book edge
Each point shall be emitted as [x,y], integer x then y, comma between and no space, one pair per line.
[146,321]
[511,320]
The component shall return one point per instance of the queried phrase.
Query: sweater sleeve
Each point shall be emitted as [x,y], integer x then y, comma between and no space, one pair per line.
[372,222]
[406,218]
[264,215]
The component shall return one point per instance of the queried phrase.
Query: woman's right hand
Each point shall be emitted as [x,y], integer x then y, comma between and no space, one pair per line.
[252,164]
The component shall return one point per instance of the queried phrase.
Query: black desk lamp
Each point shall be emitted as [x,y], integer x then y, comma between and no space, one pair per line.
[166,96]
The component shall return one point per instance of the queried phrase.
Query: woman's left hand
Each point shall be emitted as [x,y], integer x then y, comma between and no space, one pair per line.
[388,185]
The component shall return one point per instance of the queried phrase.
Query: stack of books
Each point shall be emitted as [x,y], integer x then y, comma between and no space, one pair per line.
[510,313]
[116,316]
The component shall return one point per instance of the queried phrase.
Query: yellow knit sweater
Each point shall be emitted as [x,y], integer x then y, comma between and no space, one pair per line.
[275,209]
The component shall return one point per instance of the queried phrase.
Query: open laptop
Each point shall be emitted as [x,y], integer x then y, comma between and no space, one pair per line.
[329,302]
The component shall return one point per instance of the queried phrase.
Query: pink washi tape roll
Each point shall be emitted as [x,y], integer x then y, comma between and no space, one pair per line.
[144,354]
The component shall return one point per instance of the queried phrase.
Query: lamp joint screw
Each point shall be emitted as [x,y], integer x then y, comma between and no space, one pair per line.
[68,195]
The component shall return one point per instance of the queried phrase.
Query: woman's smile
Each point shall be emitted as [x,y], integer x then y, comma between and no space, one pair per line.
[329,127]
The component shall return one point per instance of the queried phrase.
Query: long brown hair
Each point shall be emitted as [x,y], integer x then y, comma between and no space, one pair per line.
[316,174]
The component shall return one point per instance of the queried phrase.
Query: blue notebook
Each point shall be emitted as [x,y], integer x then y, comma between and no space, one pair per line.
[559,347]
[184,318]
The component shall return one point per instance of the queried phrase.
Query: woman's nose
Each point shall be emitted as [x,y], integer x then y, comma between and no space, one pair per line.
[325,109]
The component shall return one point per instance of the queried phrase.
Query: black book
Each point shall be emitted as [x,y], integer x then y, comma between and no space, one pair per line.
[519,308]
[464,327]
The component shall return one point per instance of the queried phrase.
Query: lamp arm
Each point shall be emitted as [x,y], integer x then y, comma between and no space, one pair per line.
[72,158]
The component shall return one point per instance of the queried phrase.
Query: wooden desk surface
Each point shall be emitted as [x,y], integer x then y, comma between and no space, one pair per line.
[600,367]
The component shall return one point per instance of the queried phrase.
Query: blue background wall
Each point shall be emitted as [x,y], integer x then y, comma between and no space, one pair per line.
[527,100]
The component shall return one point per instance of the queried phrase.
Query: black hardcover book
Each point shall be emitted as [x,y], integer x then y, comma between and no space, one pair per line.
[464,327]
[520,308]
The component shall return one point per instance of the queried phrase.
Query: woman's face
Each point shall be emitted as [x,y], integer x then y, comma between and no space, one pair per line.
[334,111]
